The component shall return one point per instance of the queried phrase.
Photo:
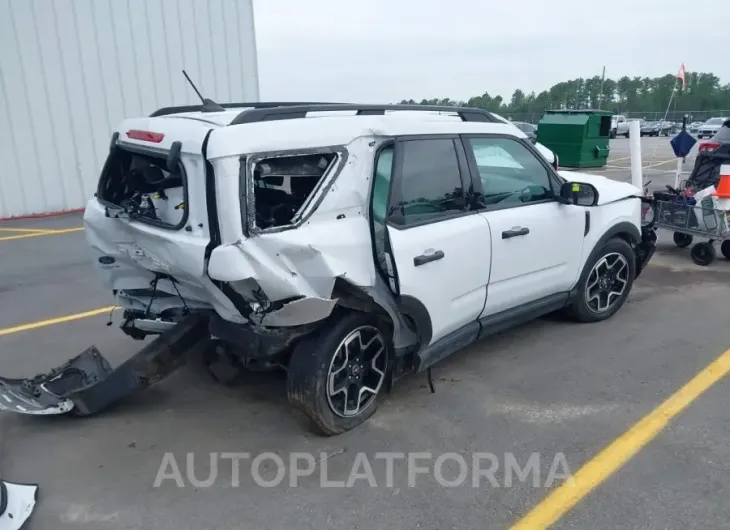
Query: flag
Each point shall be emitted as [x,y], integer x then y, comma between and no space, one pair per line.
[681,75]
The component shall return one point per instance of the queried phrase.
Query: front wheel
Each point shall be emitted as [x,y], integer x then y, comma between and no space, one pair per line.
[703,254]
[338,375]
[605,283]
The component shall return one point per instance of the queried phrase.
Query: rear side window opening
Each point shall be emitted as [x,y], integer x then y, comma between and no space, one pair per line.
[142,186]
[282,187]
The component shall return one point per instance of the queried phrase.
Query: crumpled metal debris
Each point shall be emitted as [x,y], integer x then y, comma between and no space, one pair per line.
[16,504]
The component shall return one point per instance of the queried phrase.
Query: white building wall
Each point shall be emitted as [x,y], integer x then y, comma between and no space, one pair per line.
[71,70]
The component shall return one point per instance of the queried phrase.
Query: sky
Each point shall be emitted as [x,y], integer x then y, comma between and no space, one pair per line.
[382,51]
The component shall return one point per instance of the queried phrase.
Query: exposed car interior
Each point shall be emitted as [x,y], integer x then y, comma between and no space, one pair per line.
[142,187]
[282,185]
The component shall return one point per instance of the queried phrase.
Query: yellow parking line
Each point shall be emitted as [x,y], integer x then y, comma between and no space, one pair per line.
[613,457]
[30,230]
[660,163]
[42,233]
[58,320]
[619,159]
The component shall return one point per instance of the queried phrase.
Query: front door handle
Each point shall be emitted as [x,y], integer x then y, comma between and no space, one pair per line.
[426,258]
[517,231]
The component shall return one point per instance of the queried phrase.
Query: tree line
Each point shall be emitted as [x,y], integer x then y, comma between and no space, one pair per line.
[636,96]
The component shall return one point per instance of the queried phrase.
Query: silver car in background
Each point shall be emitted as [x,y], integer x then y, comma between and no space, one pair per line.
[710,127]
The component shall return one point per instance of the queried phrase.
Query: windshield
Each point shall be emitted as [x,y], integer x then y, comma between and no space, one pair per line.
[714,121]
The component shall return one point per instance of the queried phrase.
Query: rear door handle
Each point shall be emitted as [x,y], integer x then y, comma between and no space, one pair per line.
[515,232]
[426,258]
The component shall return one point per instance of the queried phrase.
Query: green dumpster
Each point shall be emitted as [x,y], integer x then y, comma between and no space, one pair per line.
[578,137]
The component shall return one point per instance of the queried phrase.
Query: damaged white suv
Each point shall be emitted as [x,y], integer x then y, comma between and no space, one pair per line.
[352,244]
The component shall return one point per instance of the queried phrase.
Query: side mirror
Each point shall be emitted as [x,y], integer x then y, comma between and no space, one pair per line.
[578,193]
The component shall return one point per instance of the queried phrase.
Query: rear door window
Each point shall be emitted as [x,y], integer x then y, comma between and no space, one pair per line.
[430,186]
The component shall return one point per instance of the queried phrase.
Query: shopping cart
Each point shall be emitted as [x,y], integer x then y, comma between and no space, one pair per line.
[688,219]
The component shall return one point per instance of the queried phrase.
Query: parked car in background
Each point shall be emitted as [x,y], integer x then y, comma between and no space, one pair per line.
[656,128]
[529,129]
[694,126]
[619,126]
[710,127]
[710,156]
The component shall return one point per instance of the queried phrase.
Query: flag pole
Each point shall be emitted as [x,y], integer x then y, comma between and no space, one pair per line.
[666,113]
[603,80]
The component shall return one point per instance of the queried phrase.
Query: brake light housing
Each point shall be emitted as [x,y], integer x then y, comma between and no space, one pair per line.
[708,147]
[145,136]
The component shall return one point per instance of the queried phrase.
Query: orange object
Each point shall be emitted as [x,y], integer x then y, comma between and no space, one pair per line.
[723,188]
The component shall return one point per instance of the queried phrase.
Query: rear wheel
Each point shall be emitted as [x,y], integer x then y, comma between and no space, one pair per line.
[338,375]
[703,253]
[682,240]
[605,282]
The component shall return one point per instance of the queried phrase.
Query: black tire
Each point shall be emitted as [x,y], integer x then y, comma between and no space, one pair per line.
[579,308]
[612,134]
[627,135]
[725,248]
[682,240]
[309,370]
[703,253]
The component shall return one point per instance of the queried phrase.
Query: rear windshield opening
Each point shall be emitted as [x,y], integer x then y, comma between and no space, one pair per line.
[282,185]
[142,187]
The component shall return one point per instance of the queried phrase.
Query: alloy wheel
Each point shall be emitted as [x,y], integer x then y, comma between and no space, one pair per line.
[607,282]
[357,371]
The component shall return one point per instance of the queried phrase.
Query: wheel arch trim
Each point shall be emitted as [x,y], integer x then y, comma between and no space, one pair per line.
[624,230]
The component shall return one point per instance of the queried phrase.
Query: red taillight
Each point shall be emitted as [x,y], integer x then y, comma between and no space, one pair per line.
[708,147]
[145,136]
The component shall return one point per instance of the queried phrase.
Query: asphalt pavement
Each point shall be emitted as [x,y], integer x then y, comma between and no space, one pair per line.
[558,390]
[659,165]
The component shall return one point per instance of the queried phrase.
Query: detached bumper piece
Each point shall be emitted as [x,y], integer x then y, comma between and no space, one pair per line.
[87,384]
[16,504]
[645,249]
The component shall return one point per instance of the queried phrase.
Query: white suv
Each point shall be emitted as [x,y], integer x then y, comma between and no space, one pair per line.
[710,127]
[619,126]
[352,244]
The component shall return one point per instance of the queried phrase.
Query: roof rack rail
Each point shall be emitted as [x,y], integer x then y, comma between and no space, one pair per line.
[291,112]
[165,111]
